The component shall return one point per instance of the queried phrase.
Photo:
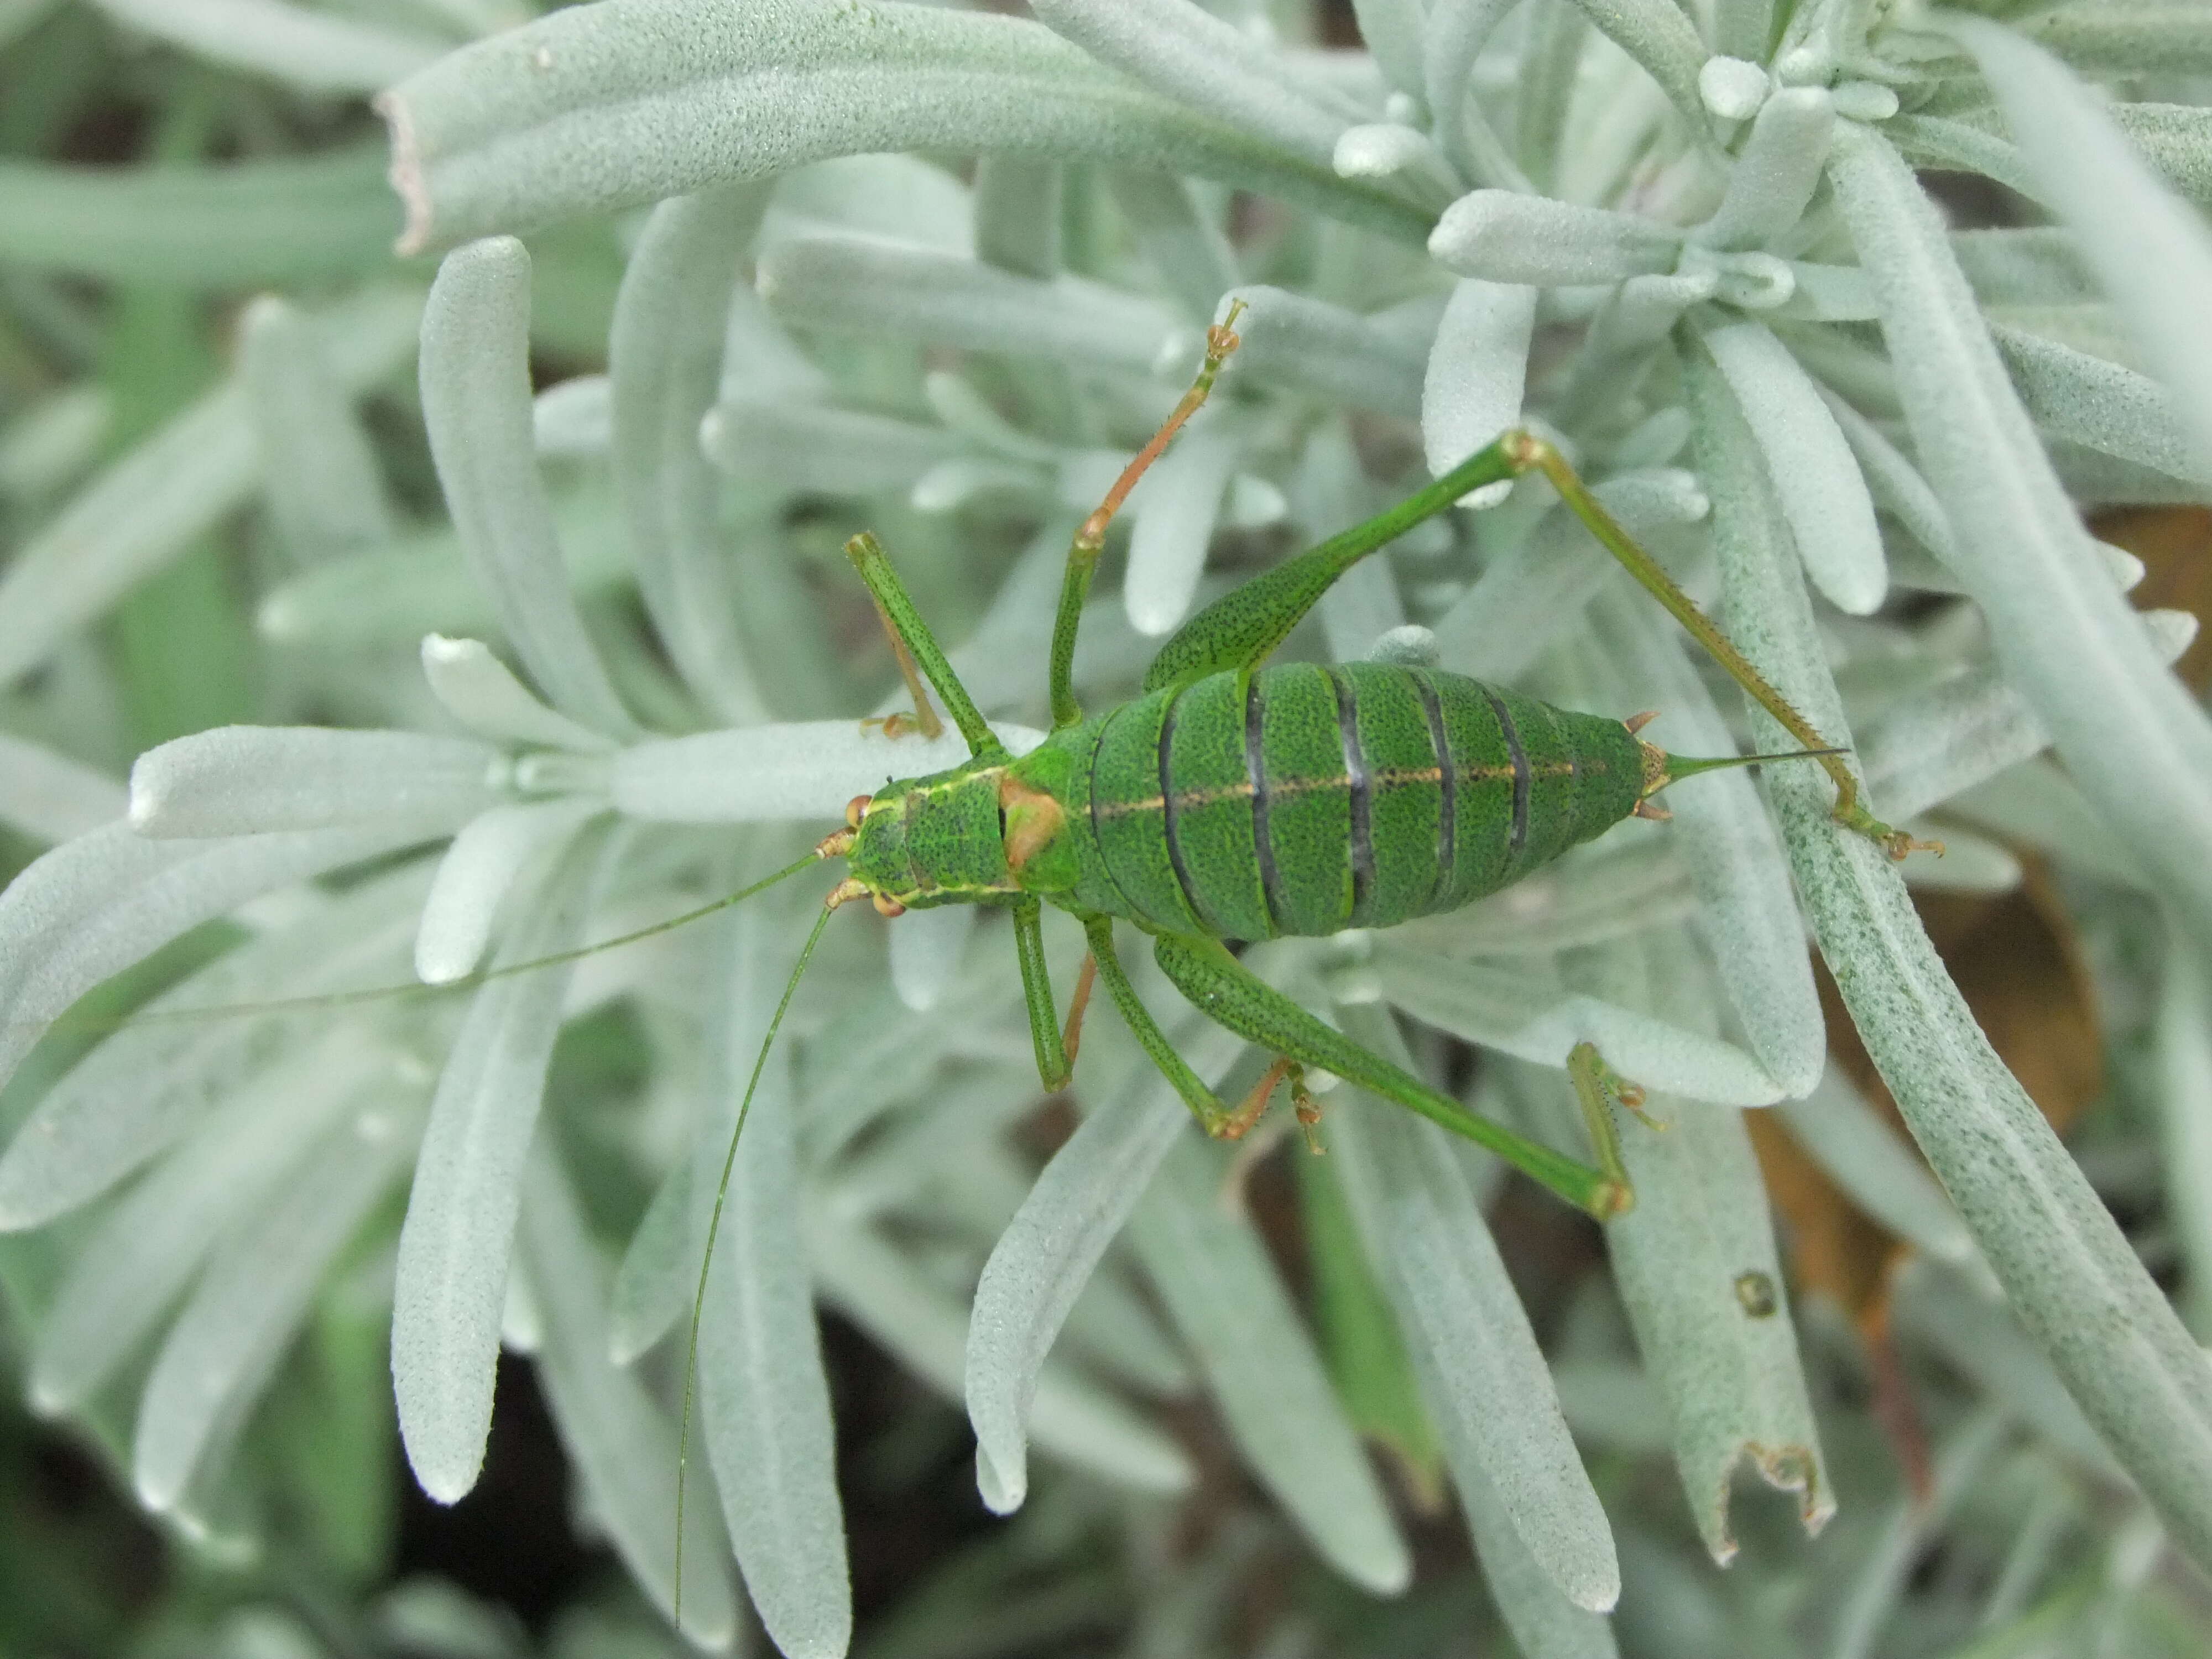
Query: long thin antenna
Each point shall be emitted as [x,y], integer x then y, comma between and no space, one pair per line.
[467,981]
[713,1230]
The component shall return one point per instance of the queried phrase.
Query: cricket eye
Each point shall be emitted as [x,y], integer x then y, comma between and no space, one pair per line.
[888,906]
[854,808]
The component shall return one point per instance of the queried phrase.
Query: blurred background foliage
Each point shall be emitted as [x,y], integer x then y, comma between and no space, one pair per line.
[147,193]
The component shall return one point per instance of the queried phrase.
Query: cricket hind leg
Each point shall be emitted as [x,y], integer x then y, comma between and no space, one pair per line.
[1233,996]
[1091,538]
[1255,1104]
[1238,631]
[1530,454]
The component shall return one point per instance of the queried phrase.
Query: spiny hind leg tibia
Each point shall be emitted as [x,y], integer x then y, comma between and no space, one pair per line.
[1529,453]
[1234,997]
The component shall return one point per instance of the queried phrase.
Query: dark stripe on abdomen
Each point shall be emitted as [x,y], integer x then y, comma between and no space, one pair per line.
[1520,835]
[1255,771]
[1448,811]
[1363,805]
[1171,812]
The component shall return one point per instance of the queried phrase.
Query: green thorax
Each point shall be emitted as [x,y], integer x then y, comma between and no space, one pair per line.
[935,840]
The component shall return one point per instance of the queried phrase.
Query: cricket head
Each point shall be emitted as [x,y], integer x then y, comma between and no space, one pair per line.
[918,842]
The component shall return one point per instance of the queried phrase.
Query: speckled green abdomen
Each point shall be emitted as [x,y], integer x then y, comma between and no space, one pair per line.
[1324,798]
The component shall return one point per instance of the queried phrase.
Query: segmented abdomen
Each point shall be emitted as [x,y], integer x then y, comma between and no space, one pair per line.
[1358,795]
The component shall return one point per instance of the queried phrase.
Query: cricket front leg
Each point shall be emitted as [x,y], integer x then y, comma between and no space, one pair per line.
[1233,996]
[913,643]
[1205,1106]
[1055,1063]
[1091,538]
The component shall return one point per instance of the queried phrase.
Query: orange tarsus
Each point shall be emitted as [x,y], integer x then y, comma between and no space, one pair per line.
[1250,1110]
[1220,340]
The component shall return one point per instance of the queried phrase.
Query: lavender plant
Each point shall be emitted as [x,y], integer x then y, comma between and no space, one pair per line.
[936,271]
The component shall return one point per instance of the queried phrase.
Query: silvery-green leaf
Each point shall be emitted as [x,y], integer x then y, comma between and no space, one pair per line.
[475,876]
[53,440]
[1185,246]
[1214,1274]
[1955,147]
[1047,1253]
[1891,480]
[148,506]
[1502,1009]
[92,906]
[926,1329]
[1019,211]
[227,225]
[2184,1060]
[1548,74]
[833,451]
[803,770]
[241,1316]
[2174,138]
[2094,401]
[850,284]
[1775,171]
[49,797]
[2151,252]
[1943,1308]
[648,1294]
[482,694]
[249,780]
[146,1248]
[1733,87]
[550,120]
[2066,1267]
[1519,604]
[926,951]
[1305,344]
[1200,61]
[1878,1579]
[2129,40]
[664,366]
[1871,1161]
[1821,489]
[1698,1274]
[145,1086]
[573,417]
[1384,150]
[476,404]
[1660,38]
[453,1246]
[621,1442]
[313,50]
[2030,266]
[2129,731]
[320,478]
[1502,236]
[1478,370]
[1747,911]
[1176,511]
[2036,805]
[1392,31]
[764,1399]
[1922,751]
[1457,32]
[1484,1377]
[421,583]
